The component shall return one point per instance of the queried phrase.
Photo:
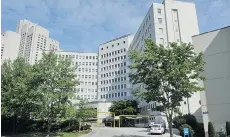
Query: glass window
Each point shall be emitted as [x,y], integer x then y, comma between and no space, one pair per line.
[161,30]
[160,20]
[161,41]
[159,11]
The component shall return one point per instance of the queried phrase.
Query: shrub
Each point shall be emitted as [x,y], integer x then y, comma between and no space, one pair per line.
[228,128]
[181,129]
[211,130]
[199,130]
[178,121]
[190,120]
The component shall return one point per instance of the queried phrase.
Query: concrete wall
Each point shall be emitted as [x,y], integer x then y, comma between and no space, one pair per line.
[113,62]
[215,99]
[10,45]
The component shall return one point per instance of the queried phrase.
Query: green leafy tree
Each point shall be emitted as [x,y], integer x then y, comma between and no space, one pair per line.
[124,107]
[84,112]
[211,130]
[168,75]
[56,78]
[19,97]
[178,121]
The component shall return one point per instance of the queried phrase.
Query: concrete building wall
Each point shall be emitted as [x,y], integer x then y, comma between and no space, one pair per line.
[215,99]
[113,80]
[34,38]
[10,45]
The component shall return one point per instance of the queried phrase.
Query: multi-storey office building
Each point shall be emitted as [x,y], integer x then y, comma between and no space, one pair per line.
[215,100]
[86,71]
[171,21]
[34,38]
[113,80]
[10,45]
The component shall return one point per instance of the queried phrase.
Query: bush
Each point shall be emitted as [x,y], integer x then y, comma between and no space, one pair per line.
[181,129]
[199,130]
[211,130]
[190,120]
[228,128]
[178,121]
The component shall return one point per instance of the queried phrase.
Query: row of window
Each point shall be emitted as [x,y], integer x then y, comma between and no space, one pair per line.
[87,97]
[88,83]
[113,66]
[87,76]
[86,63]
[114,95]
[113,53]
[85,90]
[116,87]
[113,80]
[149,106]
[113,59]
[78,56]
[113,45]
[113,73]
[87,70]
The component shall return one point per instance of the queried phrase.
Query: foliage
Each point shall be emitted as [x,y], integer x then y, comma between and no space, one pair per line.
[124,107]
[178,121]
[41,91]
[57,83]
[190,120]
[181,129]
[85,111]
[167,74]
[211,130]
[199,130]
[228,128]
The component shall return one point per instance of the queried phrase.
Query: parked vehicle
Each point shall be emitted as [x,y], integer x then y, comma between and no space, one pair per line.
[151,123]
[157,129]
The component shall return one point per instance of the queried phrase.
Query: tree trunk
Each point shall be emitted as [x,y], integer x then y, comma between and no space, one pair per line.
[170,126]
[79,126]
[49,126]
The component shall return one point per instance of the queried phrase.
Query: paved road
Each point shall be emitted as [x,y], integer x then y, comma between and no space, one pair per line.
[122,132]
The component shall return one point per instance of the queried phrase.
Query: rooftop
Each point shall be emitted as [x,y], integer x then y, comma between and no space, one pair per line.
[211,31]
[117,38]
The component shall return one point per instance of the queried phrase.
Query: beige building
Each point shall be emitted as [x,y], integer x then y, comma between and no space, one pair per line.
[34,38]
[215,100]
[10,45]
[170,21]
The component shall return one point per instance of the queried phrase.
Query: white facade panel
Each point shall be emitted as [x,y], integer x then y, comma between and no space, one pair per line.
[9,45]
[113,80]
[215,99]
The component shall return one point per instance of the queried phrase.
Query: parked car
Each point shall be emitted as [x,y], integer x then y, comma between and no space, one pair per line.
[150,124]
[157,129]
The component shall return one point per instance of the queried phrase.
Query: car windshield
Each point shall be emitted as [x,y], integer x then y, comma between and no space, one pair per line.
[156,125]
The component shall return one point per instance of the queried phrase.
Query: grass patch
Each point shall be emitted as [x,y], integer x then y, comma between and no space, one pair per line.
[58,134]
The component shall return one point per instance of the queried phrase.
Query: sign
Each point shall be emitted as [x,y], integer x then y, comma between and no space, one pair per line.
[206,112]
[186,132]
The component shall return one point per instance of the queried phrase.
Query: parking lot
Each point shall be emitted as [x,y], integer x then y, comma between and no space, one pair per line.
[123,132]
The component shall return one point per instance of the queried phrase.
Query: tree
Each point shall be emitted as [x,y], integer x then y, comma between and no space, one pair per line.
[211,130]
[84,112]
[228,128]
[124,107]
[168,75]
[56,78]
[19,97]
[178,121]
